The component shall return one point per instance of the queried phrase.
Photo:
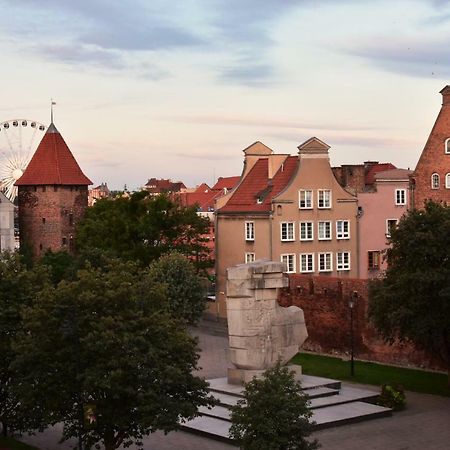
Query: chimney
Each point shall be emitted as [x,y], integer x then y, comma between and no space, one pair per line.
[445,95]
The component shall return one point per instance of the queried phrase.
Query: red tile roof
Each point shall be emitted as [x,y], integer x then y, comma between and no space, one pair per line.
[258,185]
[53,164]
[375,168]
[226,182]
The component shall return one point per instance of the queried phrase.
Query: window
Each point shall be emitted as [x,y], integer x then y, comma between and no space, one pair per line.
[306,231]
[324,231]
[71,219]
[447,181]
[306,262]
[306,199]
[390,225]
[43,220]
[400,196]
[435,182]
[342,229]
[64,241]
[324,198]
[289,260]
[325,262]
[249,258]
[373,260]
[249,231]
[447,146]
[287,231]
[343,261]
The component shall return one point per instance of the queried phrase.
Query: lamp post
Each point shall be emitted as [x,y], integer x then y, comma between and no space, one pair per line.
[352,303]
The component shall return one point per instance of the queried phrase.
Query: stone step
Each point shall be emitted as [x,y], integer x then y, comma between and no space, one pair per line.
[347,394]
[337,415]
[218,427]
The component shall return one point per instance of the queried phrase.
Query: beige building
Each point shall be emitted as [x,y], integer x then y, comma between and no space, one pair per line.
[7,240]
[290,209]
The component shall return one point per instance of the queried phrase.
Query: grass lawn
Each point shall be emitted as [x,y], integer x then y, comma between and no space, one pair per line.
[372,373]
[12,444]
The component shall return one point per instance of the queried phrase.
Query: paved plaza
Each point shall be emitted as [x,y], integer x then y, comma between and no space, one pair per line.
[424,425]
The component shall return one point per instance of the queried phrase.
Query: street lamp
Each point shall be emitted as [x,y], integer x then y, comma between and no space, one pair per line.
[352,303]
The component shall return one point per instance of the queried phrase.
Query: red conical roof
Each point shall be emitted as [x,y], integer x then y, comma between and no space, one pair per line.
[53,164]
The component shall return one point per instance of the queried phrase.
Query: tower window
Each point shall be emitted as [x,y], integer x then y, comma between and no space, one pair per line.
[64,241]
[55,188]
[43,220]
[435,182]
[44,188]
[71,219]
[447,146]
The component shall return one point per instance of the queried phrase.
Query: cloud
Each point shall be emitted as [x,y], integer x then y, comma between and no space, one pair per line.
[266,123]
[413,56]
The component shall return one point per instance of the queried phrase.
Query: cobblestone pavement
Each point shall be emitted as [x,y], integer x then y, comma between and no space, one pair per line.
[424,425]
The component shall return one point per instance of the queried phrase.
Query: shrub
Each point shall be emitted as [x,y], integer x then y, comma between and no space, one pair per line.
[392,396]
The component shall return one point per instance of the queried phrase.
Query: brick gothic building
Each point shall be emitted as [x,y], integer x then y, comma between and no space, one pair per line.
[53,196]
[431,179]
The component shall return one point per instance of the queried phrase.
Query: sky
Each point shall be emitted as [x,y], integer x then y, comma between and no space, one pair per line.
[178,89]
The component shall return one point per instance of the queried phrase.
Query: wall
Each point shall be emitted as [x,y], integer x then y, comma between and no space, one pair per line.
[325,304]
[55,204]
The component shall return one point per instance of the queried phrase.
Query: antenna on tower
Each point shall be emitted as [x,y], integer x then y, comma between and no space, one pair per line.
[51,110]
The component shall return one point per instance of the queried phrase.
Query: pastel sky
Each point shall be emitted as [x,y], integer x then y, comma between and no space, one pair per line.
[177,89]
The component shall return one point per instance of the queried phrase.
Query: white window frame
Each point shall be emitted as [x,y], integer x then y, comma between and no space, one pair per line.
[324,237]
[341,264]
[289,228]
[321,193]
[435,181]
[308,200]
[309,258]
[400,197]
[447,146]
[388,227]
[249,231]
[249,257]
[289,259]
[447,181]
[309,227]
[327,265]
[343,234]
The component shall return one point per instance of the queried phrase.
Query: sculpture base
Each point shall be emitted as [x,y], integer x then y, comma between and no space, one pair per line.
[242,376]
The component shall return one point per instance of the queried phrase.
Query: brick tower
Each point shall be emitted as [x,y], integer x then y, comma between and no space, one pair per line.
[53,196]
[431,179]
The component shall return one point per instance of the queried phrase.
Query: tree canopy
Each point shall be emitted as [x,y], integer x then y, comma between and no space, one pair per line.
[106,341]
[142,228]
[412,300]
[273,414]
[18,288]
[186,294]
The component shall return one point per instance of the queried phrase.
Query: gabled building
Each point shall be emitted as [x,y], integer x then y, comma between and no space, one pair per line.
[380,209]
[157,186]
[97,193]
[431,178]
[287,208]
[53,196]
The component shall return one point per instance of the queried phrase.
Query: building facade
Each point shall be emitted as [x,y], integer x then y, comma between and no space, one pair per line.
[380,209]
[7,240]
[287,208]
[431,178]
[52,198]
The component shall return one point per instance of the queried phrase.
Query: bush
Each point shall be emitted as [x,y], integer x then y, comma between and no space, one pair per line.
[392,396]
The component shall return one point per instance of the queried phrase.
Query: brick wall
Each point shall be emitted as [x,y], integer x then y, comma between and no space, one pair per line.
[48,216]
[324,301]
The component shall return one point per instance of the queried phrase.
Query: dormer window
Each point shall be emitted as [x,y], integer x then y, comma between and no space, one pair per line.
[259,200]
[435,182]
[447,146]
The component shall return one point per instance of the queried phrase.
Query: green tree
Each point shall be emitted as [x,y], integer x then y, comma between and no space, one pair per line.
[186,291]
[273,414]
[18,288]
[106,341]
[142,228]
[411,302]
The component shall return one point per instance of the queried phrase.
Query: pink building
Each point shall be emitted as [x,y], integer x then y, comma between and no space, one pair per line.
[380,209]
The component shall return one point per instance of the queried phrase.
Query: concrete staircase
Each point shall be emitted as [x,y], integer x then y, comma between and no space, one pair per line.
[332,404]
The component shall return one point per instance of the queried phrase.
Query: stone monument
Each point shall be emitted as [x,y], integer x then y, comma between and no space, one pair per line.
[261,332]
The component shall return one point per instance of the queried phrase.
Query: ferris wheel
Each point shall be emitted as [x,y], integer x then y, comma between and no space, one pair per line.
[18,141]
